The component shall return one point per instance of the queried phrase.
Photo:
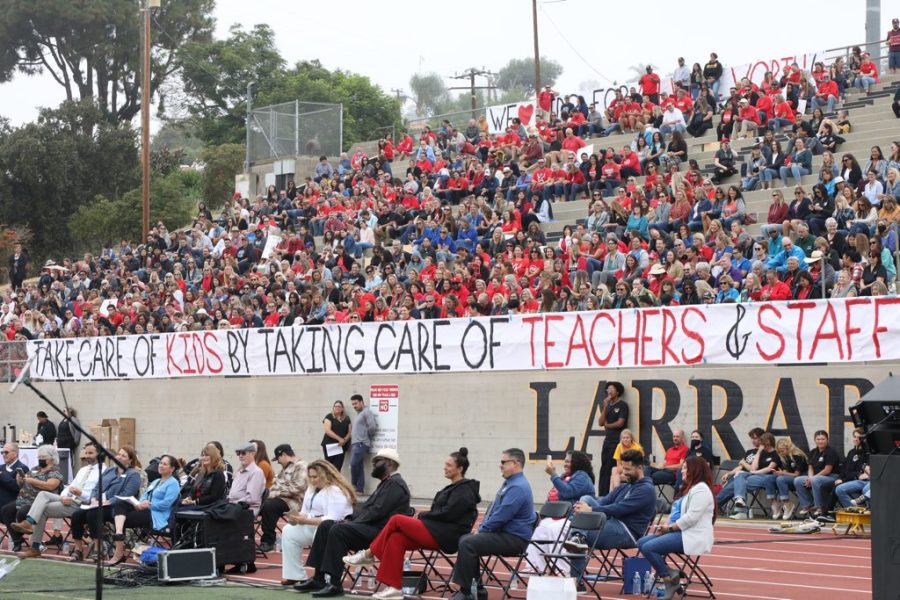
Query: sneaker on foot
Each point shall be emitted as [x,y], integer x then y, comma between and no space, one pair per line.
[789,508]
[739,515]
[804,512]
[359,559]
[739,502]
[388,593]
[576,543]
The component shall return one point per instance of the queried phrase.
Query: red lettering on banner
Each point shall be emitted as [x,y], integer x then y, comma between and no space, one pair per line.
[548,344]
[647,339]
[849,329]
[601,361]
[531,321]
[211,351]
[801,306]
[759,321]
[832,334]
[170,360]
[622,339]
[694,335]
[185,337]
[668,334]
[578,329]
[879,302]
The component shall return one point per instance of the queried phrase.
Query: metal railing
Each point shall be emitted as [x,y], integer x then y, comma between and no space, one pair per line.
[12,359]
[880,57]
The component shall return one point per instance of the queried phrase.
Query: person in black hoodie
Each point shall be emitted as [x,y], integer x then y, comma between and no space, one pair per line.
[334,540]
[452,515]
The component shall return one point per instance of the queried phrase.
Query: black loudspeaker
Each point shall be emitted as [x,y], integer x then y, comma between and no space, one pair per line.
[187,565]
[233,540]
[885,472]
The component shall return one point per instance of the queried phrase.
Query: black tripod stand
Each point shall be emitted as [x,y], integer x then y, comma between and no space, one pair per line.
[102,452]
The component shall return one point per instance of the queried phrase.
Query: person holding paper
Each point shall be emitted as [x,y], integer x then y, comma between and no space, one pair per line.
[329,497]
[337,435]
[47,504]
[152,511]
[116,482]
[44,477]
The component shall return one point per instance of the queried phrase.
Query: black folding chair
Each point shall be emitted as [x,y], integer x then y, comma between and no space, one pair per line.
[550,510]
[690,572]
[589,522]
[257,526]
[428,561]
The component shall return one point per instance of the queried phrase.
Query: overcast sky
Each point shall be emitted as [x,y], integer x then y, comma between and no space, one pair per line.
[595,41]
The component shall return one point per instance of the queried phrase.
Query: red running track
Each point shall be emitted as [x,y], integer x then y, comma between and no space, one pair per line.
[747,562]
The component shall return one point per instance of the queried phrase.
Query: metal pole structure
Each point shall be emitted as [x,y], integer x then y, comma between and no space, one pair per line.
[247,127]
[145,125]
[341,130]
[873,23]
[537,52]
[472,87]
[296,128]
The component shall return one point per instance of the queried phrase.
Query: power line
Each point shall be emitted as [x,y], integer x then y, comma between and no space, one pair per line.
[573,48]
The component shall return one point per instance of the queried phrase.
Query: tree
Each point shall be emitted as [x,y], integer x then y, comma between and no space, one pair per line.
[92,49]
[179,135]
[429,92]
[50,168]
[173,200]
[519,72]
[215,75]
[221,164]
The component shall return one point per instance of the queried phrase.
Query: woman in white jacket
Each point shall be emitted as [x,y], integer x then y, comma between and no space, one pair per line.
[690,527]
[328,498]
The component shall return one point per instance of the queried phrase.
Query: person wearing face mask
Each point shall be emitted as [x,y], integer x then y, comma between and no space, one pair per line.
[333,540]
[50,505]
[45,477]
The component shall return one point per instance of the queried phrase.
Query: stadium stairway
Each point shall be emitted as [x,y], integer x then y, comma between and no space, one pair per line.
[872,124]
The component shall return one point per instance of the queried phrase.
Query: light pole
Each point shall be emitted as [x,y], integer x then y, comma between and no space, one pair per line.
[537,52]
[145,118]
[247,127]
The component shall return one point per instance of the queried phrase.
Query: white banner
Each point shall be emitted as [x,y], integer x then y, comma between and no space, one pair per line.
[499,117]
[755,70]
[846,330]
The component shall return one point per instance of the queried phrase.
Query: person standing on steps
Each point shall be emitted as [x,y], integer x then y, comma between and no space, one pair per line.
[613,419]
[364,428]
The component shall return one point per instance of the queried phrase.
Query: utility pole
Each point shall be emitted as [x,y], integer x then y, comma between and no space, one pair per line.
[249,103]
[145,119]
[401,95]
[470,74]
[537,53]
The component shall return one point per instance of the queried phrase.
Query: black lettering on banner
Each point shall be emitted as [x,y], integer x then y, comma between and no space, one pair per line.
[406,347]
[119,340]
[735,343]
[281,350]
[785,401]
[838,416]
[384,366]
[153,339]
[81,363]
[99,359]
[270,366]
[141,369]
[734,403]
[110,353]
[647,425]
[435,346]
[296,340]
[312,350]
[542,391]
[591,428]
[423,346]
[484,345]
[491,343]
[360,353]
[334,351]
[234,347]
[67,351]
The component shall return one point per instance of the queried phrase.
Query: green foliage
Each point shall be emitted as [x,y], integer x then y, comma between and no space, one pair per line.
[179,135]
[173,200]
[164,161]
[429,93]
[215,75]
[519,73]
[48,169]
[92,47]
[222,163]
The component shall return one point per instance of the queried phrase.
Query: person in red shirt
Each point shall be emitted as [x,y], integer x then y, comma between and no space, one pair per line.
[545,100]
[613,109]
[784,114]
[404,147]
[631,163]
[629,115]
[649,85]
[572,142]
[775,289]
[765,108]
[747,118]
[666,472]
[610,175]
[827,94]
[868,73]
[540,177]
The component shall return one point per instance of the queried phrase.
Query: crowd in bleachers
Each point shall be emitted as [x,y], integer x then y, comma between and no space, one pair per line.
[455,223]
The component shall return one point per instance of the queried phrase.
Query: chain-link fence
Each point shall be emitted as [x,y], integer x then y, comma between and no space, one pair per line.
[294,129]
[12,359]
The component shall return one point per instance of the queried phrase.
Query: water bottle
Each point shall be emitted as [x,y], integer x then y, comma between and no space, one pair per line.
[513,581]
[474,589]
[636,583]
[648,583]
[660,588]
[278,544]
[407,565]
[751,513]
[370,581]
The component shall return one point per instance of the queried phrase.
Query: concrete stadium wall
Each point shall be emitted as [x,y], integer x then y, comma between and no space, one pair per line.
[541,412]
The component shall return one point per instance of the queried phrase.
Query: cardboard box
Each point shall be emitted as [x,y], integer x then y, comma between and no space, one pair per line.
[115,432]
[102,433]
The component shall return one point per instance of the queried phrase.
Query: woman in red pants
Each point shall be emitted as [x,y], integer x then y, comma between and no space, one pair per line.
[452,515]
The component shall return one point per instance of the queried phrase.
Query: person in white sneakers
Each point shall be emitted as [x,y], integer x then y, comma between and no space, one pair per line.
[761,475]
[793,464]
